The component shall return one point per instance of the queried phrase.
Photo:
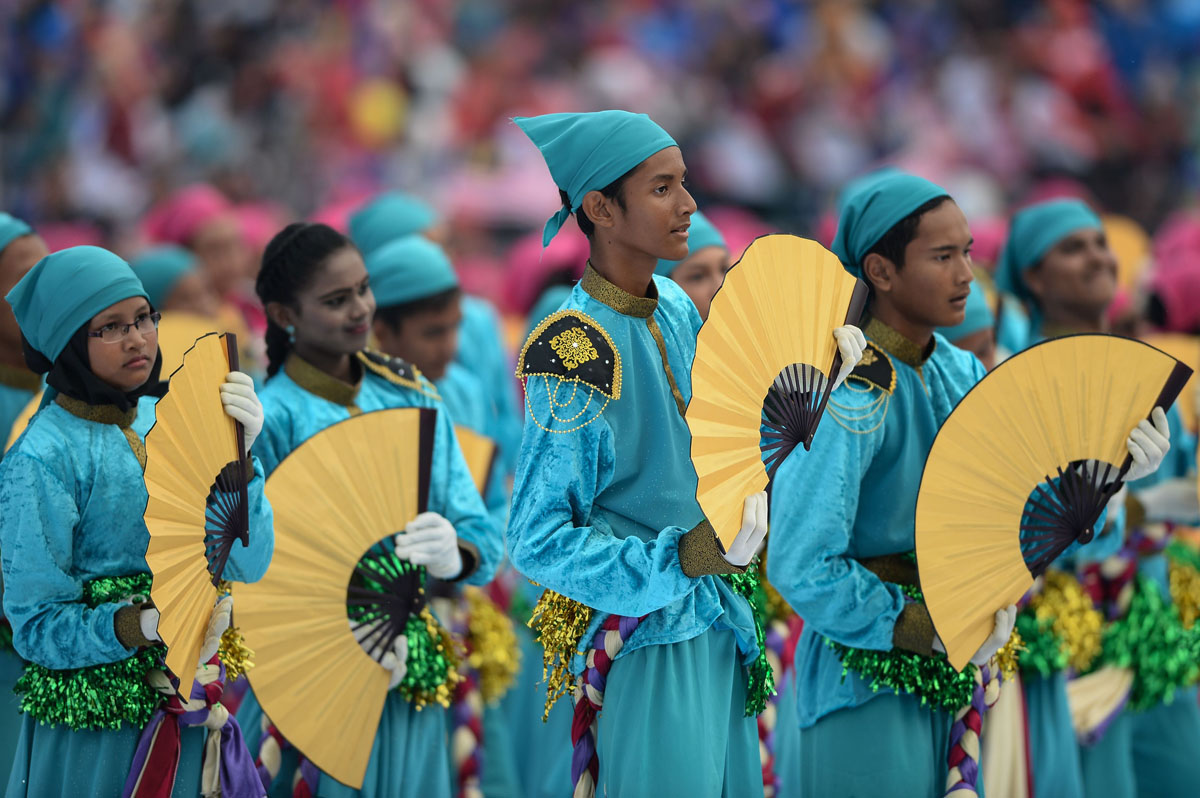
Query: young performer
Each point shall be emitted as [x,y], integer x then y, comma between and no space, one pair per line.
[604,510]
[1057,259]
[73,540]
[318,299]
[394,215]
[843,533]
[701,273]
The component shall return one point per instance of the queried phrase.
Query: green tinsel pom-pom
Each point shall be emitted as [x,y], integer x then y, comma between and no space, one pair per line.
[1044,653]
[931,679]
[761,678]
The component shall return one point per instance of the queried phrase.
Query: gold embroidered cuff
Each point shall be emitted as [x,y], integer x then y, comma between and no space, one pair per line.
[128,627]
[914,630]
[700,555]
[470,560]
[894,568]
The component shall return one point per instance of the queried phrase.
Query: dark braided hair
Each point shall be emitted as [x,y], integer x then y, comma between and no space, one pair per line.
[293,257]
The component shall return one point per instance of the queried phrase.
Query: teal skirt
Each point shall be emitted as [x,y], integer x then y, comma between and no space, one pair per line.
[1053,750]
[11,669]
[55,761]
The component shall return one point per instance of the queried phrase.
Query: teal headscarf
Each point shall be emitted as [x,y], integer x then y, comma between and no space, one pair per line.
[700,235]
[586,152]
[978,316]
[159,268]
[1033,232]
[63,291]
[389,216]
[873,205]
[408,269]
[551,300]
[11,228]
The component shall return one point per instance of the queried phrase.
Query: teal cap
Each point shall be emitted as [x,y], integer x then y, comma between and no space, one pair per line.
[408,269]
[389,216]
[586,152]
[1034,232]
[11,228]
[873,205]
[159,268]
[701,234]
[978,316]
[64,290]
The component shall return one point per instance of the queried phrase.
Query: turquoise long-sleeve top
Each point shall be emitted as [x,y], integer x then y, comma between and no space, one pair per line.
[301,400]
[17,388]
[466,400]
[71,502]
[481,352]
[605,488]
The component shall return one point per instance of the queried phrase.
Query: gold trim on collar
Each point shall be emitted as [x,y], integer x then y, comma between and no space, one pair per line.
[24,379]
[318,383]
[600,289]
[897,345]
[680,405]
[100,414]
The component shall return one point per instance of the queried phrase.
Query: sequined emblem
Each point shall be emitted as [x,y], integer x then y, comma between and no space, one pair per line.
[868,357]
[573,347]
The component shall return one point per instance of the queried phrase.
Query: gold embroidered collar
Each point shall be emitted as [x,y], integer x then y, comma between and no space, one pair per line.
[616,298]
[318,383]
[897,345]
[101,414]
[24,379]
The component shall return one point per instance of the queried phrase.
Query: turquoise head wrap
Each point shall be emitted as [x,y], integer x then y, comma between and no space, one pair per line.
[1033,232]
[159,268]
[63,291]
[700,235]
[873,205]
[11,228]
[389,216]
[978,316]
[586,152]
[408,269]
[551,300]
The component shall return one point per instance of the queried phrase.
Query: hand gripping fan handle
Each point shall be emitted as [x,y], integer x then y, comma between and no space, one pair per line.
[231,352]
[854,312]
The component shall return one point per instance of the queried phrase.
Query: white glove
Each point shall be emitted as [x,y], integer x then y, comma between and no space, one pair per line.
[851,343]
[430,540]
[394,658]
[754,530]
[148,620]
[242,405]
[1004,622]
[1148,444]
[218,622]
[1171,500]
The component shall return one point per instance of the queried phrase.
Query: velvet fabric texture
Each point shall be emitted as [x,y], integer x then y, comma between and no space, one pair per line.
[466,401]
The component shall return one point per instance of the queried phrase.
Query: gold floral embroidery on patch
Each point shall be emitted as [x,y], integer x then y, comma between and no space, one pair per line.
[868,358]
[574,348]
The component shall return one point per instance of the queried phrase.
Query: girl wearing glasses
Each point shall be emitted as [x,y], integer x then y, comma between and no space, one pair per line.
[73,541]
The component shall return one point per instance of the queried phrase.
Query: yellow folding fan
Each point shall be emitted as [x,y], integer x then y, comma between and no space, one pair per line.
[480,453]
[1185,348]
[764,368]
[177,332]
[1023,467]
[336,497]
[197,508]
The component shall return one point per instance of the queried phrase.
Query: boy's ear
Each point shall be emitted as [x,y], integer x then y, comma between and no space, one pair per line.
[880,271]
[599,209]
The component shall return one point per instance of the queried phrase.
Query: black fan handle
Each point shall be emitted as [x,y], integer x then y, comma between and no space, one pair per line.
[854,314]
[243,520]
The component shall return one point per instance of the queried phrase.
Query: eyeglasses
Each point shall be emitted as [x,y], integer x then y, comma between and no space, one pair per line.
[115,333]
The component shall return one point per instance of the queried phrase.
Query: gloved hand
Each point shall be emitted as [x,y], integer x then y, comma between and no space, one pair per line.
[430,540]
[218,622]
[148,621]
[1005,620]
[851,343]
[394,658]
[1148,444]
[754,530]
[242,405]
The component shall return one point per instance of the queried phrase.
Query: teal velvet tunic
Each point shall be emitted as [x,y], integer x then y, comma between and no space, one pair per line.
[466,399]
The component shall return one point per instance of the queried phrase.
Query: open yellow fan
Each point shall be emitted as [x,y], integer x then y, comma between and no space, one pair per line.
[1023,467]
[765,359]
[335,498]
[1185,348]
[177,332]
[196,481]
[480,453]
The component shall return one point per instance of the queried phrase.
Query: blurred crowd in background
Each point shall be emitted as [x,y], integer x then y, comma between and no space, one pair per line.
[305,108]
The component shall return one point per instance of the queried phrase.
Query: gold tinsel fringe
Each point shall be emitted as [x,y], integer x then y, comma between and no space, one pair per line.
[1008,657]
[1185,591]
[234,654]
[1073,618]
[444,642]
[559,624]
[495,655]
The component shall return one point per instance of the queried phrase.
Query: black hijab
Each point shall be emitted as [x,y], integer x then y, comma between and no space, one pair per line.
[71,375]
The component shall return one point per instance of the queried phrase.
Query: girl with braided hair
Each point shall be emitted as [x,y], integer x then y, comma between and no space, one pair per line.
[315,289]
